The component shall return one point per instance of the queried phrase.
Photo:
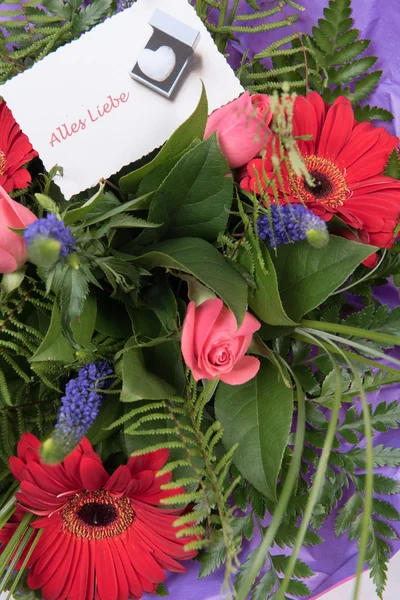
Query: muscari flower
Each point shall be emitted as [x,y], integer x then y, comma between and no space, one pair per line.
[80,407]
[47,239]
[346,160]
[292,223]
[104,537]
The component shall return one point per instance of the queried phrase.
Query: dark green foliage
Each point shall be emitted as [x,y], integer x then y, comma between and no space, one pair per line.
[339,53]
[24,318]
[38,32]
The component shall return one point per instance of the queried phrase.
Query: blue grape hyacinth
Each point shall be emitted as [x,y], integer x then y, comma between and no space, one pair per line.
[292,223]
[80,407]
[50,228]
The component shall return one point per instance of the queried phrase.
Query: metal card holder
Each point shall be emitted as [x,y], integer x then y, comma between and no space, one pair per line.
[169,34]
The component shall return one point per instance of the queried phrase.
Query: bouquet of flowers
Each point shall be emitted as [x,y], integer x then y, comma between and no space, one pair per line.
[188,351]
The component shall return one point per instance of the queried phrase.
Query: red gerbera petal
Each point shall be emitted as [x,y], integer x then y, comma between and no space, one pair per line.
[15,151]
[104,537]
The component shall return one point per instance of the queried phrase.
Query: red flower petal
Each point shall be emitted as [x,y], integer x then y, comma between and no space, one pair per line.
[337,128]
[106,578]
[93,474]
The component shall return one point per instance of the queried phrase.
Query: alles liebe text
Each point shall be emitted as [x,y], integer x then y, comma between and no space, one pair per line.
[66,130]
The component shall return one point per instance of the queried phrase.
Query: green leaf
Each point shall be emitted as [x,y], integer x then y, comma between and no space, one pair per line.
[322,40]
[214,556]
[71,216]
[264,587]
[162,590]
[298,588]
[365,86]
[55,346]
[307,276]
[195,198]
[393,165]
[265,299]
[350,52]
[351,70]
[347,38]
[72,289]
[347,514]
[301,569]
[386,456]
[203,261]
[140,384]
[191,129]
[257,415]
[368,113]
[327,28]
[385,530]
[386,510]
[89,16]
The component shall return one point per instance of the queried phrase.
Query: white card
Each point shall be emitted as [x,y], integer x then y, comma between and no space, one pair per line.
[104,101]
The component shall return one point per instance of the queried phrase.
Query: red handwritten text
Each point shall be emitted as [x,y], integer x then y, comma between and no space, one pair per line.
[66,130]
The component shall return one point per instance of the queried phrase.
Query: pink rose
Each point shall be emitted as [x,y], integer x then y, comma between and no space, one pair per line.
[12,246]
[212,346]
[242,127]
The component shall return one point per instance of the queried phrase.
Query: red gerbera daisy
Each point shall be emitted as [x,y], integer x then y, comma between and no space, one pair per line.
[15,151]
[347,160]
[104,537]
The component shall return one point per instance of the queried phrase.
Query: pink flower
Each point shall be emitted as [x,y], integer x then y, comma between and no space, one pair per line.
[13,252]
[242,127]
[212,346]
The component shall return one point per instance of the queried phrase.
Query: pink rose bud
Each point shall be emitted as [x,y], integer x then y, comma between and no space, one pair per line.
[13,252]
[213,346]
[242,127]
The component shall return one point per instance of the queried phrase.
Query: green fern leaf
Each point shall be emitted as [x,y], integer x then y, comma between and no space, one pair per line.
[393,166]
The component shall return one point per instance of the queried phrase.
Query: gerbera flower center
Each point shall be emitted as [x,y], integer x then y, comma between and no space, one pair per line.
[2,162]
[97,515]
[329,189]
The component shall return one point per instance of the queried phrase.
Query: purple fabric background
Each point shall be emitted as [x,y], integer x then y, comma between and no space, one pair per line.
[335,559]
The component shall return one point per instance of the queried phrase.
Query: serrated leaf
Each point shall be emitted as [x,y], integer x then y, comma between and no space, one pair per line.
[350,52]
[308,382]
[264,587]
[352,70]
[386,456]
[301,569]
[346,38]
[90,15]
[322,40]
[392,168]
[349,436]
[347,514]
[298,588]
[368,113]
[385,530]
[385,509]
[326,27]
[214,555]
[365,86]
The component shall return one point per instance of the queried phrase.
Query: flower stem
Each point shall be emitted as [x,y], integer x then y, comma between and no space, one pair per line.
[319,480]
[385,338]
